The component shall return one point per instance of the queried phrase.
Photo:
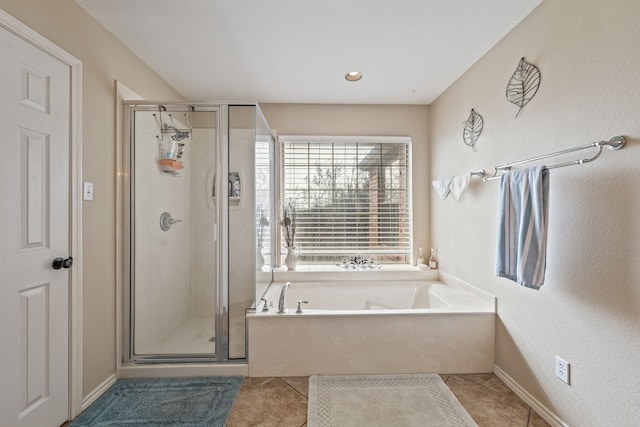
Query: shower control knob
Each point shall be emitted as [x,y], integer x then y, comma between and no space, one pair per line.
[60,262]
[166,221]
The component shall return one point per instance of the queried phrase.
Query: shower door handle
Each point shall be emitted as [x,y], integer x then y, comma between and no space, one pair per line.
[211,189]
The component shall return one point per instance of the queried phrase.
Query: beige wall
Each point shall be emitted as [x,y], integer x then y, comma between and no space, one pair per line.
[588,310]
[372,120]
[104,60]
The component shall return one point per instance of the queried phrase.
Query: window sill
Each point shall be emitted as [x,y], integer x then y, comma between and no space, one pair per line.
[332,272]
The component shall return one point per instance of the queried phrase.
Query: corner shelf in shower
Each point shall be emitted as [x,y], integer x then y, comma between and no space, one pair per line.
[236,190]
[234,202]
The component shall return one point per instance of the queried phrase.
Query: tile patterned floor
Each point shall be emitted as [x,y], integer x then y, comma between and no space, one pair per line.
[282,402]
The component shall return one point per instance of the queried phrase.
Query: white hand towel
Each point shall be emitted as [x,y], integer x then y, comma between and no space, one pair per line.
[522,231]
[459,184]
[442,187]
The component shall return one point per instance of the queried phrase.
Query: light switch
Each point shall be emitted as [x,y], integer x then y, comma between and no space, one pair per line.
[88,191]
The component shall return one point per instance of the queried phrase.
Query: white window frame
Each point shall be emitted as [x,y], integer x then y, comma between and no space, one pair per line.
[282,139]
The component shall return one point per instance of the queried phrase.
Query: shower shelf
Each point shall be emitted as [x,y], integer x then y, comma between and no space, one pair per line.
[236,192]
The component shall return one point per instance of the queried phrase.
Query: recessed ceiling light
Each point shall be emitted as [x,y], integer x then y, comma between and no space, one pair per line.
[353,76]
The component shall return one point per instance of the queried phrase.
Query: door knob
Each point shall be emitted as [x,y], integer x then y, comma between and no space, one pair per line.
[59,263]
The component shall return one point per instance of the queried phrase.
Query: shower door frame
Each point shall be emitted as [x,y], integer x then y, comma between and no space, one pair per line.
[221,209]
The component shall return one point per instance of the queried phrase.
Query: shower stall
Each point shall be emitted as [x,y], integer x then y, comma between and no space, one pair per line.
[198,223]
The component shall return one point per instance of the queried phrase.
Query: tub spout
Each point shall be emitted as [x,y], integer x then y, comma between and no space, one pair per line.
[283,295]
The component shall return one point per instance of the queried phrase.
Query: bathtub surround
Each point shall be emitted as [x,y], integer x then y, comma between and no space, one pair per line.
[373,327]
[587,311]
[383,400]
[193,402]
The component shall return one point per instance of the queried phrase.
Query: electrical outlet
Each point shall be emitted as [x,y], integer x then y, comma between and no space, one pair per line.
[562,369]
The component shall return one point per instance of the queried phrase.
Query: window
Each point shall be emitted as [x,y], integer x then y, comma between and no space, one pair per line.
[352,196]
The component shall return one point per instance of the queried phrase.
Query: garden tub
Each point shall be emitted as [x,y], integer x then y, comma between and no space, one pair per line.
[372,327]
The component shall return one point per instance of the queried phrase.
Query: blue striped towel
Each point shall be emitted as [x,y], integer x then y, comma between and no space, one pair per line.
[522,235]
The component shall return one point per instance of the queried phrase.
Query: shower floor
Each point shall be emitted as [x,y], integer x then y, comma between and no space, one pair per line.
[196,335]
[192,336]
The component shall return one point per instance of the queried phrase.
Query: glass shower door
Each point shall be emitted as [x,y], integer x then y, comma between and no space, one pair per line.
[173,219]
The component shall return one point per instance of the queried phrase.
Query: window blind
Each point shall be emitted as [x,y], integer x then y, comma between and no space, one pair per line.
[351,197]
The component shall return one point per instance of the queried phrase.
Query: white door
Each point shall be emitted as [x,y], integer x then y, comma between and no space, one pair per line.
[34,229]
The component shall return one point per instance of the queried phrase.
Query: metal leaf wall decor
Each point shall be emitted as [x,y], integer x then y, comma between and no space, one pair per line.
[472,129]
[523,84]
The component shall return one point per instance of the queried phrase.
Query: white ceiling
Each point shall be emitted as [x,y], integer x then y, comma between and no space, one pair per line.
[409,51]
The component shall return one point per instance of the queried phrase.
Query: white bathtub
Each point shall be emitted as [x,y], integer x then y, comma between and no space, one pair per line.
[372,327]
[353,297]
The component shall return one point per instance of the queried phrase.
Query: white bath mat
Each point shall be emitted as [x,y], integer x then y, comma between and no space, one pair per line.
[384,400]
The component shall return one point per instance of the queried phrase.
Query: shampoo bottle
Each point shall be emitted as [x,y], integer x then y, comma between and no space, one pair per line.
[420,259]
[433,260]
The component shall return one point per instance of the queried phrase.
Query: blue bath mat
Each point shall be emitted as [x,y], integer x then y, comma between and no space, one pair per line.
[177,402]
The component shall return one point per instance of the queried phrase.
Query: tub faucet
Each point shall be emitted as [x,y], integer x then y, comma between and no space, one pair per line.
[299,310]
[283,295]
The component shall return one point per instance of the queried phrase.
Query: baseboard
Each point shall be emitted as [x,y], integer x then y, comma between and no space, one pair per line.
[183,370]
[98,391]
[542,410]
